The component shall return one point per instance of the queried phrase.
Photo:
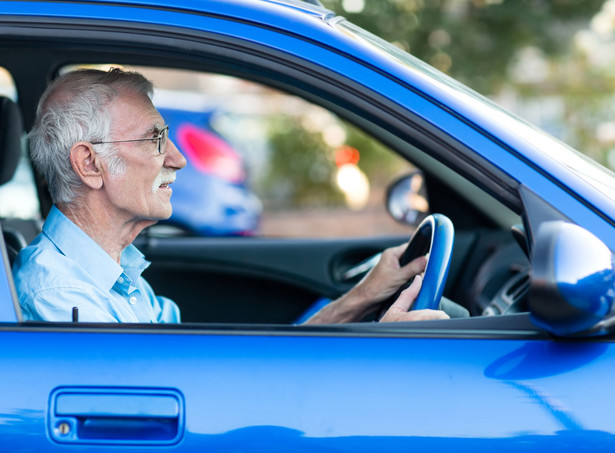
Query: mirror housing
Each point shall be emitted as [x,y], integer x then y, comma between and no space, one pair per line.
[407,199]
[572,286]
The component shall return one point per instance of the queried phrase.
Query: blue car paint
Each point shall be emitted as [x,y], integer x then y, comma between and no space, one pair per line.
[306,390]
[203,202]
[512,395]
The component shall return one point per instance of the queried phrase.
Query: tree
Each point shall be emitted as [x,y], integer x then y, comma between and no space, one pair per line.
[473,40]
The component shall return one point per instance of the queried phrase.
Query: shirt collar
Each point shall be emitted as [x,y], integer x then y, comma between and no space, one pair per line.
[72,241]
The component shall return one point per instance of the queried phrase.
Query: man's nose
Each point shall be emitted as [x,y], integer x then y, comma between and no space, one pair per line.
[173,158]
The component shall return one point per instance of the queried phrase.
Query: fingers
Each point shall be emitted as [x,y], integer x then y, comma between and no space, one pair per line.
[405,300]
[416,266]
[399,311]
[397,251]
[416,315]
[388,276]
[407,297]
[423,315]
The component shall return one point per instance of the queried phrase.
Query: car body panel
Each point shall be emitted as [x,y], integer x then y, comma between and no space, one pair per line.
[513,393]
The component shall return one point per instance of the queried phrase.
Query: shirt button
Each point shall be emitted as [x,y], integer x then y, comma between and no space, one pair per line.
[132,300]
[120,280]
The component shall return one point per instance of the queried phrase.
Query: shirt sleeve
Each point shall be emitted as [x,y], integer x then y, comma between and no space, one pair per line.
[169,311]
[164,309]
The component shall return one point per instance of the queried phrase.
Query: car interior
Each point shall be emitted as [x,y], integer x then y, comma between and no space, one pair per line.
[274,280]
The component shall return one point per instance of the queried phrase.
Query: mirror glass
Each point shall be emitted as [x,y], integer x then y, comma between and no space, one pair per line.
[407,199]
[573,280]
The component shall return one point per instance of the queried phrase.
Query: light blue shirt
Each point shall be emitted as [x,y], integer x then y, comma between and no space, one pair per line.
[64,268]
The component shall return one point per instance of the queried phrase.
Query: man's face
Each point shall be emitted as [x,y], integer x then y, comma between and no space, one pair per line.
[142,191]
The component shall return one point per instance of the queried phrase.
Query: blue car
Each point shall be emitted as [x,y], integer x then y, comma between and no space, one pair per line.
[519,229]
[212,197]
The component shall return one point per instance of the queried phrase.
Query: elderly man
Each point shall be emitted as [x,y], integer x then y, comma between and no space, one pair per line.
[104,151]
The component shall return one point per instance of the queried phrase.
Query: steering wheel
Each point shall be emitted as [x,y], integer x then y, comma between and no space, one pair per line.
[434,236]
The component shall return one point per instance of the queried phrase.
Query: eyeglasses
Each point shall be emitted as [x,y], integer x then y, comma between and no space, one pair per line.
[161,140]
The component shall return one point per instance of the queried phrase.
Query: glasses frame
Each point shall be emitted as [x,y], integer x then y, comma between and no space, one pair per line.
[164,134]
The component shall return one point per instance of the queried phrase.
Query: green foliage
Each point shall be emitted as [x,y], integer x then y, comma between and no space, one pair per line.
[378,162]
[301,168]
[477,42]
[473,40]
[481,42]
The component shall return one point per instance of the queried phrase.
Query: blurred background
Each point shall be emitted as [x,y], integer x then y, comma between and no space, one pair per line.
[550,61]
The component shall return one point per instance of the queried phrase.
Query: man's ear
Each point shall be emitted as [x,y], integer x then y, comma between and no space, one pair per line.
[86,164]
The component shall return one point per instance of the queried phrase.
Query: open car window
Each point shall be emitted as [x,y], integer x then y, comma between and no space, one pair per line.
[268,165]
[262,162]
[299,196]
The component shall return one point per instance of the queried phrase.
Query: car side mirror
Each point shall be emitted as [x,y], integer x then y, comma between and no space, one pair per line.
[407,199]
[572,281]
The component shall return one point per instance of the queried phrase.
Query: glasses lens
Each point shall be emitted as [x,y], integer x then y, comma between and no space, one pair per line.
[162,140]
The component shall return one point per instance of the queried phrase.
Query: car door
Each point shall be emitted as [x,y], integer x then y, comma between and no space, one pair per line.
[435,386]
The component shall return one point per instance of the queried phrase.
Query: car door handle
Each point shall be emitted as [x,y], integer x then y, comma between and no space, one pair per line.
[116,416]
[362,268]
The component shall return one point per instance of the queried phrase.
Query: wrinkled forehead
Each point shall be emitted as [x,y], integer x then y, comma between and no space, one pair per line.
[134,112]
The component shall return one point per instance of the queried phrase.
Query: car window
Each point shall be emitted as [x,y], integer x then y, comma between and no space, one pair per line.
[262,162]
[18,197]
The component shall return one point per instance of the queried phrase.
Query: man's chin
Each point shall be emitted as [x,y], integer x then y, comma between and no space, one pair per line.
[162,214]
[165,216]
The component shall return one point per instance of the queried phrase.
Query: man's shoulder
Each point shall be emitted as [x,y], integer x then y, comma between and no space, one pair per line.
[42,261]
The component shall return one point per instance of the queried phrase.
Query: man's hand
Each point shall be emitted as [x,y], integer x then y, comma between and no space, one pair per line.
[399,311]
[379,284]
[388,276]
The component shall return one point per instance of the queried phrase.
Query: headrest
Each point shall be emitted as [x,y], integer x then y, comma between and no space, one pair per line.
[11,133]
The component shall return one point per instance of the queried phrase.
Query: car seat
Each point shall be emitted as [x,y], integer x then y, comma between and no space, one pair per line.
[11,133]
